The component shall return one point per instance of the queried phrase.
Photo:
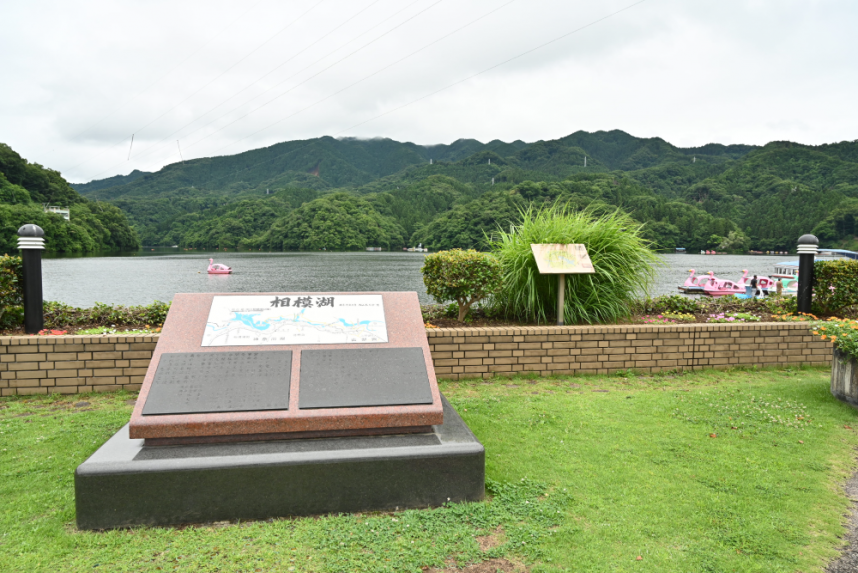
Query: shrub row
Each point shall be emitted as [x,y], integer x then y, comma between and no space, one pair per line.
[835,286]
[677,303]
[60,315]
[11,292]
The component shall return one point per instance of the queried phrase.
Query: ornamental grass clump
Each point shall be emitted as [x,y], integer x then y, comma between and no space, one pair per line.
[463,276]
[624,263]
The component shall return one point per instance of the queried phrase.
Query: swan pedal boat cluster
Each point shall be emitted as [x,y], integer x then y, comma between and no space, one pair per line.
[218,269]
[711,285]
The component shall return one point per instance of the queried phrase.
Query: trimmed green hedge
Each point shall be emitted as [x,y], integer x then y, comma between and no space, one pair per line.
[60,315]
[835,286]
[11,292]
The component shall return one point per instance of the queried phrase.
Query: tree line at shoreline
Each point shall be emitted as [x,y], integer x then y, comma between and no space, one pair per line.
[25,188]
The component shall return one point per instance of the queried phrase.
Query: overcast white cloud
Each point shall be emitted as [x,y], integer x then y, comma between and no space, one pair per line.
[223,76]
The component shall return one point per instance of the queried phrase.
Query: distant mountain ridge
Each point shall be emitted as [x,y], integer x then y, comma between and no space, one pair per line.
[351,162]
[729,197]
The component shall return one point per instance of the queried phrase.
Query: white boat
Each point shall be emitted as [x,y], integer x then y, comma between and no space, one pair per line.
[788,269]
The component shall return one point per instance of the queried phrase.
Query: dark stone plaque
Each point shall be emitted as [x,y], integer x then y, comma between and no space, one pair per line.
[351,378]
[205,382]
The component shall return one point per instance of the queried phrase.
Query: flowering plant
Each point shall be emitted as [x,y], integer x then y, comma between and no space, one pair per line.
[841,332]
[733,317]
[657,319]
[52,332]
[680,316]
[800,317]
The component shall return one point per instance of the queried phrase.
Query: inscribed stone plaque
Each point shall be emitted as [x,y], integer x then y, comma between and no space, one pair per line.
[205,382]
[256,320]
[563,259]
[346,378]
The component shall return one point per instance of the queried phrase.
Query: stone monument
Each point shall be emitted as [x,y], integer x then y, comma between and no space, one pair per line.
[279,404]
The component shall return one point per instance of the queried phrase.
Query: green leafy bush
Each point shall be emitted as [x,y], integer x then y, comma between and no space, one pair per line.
[667,304]
[835,286]
[11,292]
[60,315]
[624,263]
[673,303]
[463,276]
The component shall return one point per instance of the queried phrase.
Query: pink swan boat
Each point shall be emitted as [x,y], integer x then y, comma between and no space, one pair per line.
[218,269]
[694,285]
[693,281]
[763,283]
[719,287]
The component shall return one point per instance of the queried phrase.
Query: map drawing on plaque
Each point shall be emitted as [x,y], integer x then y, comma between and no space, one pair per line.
[257,320]
[562,259]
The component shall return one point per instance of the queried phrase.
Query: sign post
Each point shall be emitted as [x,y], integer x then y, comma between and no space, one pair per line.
[562,260]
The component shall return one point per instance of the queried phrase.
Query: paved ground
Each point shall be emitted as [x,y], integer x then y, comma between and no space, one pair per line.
[848,561]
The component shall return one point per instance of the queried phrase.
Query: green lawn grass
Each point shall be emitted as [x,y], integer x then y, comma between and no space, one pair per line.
[585,474]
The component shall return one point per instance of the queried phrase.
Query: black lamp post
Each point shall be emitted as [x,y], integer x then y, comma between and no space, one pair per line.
[31,245]
[807,249]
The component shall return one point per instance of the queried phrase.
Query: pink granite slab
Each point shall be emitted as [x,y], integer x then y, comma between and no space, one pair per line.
[286,436]
[183,332]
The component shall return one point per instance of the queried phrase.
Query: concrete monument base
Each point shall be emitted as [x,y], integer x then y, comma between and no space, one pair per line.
[126,483]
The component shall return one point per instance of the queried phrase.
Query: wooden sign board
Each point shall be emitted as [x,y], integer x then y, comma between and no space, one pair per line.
[557,259]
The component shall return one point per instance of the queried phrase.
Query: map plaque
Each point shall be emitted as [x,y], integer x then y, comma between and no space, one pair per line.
[562,259]
[352,378]
[552,259]
[378,339]
[204,382]
[257,320]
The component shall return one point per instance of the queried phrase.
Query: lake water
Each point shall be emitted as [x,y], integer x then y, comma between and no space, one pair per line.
[157,275]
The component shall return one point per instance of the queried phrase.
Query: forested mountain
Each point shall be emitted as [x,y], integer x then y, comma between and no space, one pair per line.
[350,193]
[24,189]
[114,181]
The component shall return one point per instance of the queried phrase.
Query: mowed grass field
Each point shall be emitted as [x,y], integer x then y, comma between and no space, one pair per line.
[712,471]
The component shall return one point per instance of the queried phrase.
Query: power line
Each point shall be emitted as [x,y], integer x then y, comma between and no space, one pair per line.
[173,69]
[504,62]
[540,46]
[557,39]
[319,72]
[152,147]
[430,44]
[257,48]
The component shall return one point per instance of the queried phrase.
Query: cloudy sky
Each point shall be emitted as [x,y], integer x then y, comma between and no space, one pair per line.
[216,77]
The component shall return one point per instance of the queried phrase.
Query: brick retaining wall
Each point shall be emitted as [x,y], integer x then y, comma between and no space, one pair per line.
[72,364]
[483,352]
